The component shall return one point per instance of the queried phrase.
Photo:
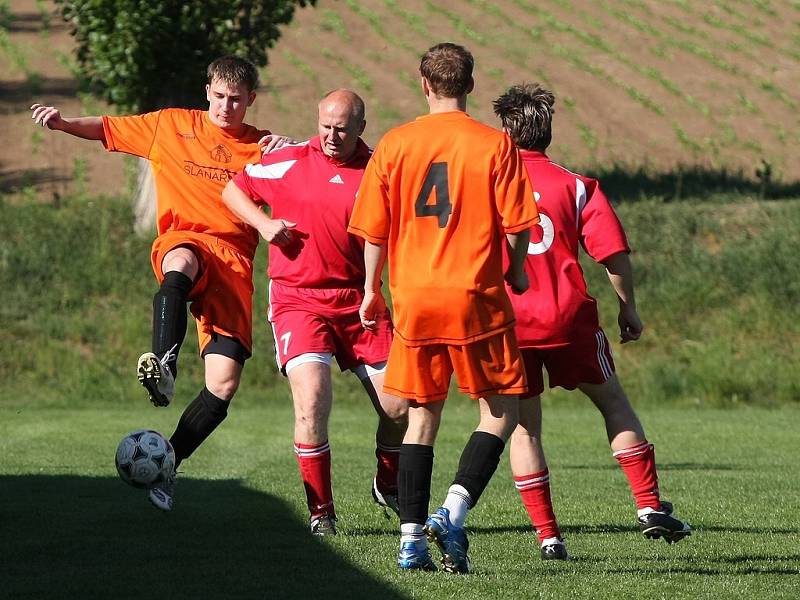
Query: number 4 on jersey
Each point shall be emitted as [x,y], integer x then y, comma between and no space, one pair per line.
[435,179]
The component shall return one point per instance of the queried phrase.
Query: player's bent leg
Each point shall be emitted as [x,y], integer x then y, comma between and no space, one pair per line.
[310,381]
[156,370]
[392,423]
[201,418]
[636,457]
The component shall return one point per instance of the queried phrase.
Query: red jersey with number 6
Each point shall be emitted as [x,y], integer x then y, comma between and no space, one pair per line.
[557,308]
[440,191]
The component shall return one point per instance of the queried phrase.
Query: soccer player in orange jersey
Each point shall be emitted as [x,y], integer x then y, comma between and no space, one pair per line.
[558,326]
[441,196]
[203,253]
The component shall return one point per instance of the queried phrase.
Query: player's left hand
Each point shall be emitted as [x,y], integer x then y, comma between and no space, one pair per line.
[519,282]
[271,142]
[630,325]
[372,307]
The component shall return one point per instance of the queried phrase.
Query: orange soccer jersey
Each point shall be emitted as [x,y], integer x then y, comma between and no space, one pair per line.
[192,162]
[441,191]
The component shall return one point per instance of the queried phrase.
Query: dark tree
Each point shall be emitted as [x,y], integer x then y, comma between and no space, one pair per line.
[145,55]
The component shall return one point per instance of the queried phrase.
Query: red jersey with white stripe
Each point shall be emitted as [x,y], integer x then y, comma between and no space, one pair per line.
[301,184]
[557,308]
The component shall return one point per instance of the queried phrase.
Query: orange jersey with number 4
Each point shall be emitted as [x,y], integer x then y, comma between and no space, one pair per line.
[441,191]
[192,161]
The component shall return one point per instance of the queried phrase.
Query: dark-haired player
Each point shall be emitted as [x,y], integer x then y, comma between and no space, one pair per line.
[558,328]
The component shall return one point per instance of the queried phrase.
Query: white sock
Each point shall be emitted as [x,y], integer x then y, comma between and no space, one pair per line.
[458,503]
[412,532]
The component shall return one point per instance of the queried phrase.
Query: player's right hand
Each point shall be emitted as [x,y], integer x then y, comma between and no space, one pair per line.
[46,116]
[278,232]
[630,325]
[372,306]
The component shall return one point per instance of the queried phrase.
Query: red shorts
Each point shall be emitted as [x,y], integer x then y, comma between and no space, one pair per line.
[222,297]
[325,320]
[584,361]
[488,367]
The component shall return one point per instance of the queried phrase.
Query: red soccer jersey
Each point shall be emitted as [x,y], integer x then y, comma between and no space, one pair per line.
[301,184]
[192,161]
[557,307]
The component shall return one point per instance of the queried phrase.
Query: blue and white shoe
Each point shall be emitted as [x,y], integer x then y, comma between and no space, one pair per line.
[415,556]
[451,540]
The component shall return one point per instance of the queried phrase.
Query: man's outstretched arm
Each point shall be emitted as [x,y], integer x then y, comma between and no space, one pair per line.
[88,128]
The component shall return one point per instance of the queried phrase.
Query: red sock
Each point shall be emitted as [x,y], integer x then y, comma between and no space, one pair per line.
[535,492]
[315,470]
[388,463]
[639,465]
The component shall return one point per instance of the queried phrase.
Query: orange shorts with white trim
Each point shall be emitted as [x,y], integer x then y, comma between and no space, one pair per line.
[491,366]
[221,300]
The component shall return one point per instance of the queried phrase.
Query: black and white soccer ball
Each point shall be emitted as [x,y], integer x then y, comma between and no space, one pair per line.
[145,459]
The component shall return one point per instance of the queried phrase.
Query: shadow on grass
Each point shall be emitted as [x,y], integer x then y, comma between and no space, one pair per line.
[623,184]
[80,537]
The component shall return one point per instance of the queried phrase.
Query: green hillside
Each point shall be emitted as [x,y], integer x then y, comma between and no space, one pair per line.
[717,283]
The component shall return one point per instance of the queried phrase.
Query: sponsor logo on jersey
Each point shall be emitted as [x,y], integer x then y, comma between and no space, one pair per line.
[206,172]
[221,154]
[336,179]
[186,136]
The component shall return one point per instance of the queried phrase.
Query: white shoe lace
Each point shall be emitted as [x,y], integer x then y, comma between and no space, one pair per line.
[168,356]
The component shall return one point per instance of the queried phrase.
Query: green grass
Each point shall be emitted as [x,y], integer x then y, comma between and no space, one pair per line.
[239,525]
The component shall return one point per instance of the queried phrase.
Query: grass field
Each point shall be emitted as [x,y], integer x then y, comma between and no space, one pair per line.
[71,528]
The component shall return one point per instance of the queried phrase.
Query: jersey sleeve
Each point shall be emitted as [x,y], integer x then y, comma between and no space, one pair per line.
[601,232]
[254,187]
[513,191]
[135,134]
[370,217]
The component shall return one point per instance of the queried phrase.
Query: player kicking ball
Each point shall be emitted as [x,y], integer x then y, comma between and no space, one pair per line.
[203,255]
[558,326]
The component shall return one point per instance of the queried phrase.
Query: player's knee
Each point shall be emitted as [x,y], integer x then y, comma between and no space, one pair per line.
[223,388]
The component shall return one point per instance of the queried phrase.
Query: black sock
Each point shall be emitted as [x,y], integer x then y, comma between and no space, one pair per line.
[169,316]
[478,463]
[414,482]
[197,422]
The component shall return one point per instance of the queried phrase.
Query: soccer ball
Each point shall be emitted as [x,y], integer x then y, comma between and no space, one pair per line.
[145,458]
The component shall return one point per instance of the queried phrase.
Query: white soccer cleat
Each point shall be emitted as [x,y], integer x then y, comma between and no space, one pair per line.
[162,496]
[155,375]
[387,501]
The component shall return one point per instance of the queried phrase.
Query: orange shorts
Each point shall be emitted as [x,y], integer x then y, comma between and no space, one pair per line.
[222,297]
[491,366]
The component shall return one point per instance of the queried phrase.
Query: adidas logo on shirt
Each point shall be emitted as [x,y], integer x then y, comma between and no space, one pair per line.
[336,179]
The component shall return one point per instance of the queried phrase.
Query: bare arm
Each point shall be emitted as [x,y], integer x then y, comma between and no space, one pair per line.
[275,231]
[516,276]
[88,128]
[620,274]
[373,304]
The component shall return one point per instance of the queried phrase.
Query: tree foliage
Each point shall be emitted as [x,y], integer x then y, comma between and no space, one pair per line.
[143,55]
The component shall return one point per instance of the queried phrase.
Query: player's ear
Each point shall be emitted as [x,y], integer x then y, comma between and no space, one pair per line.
[426,87]
[251,98]
[471,85]
[363,127]
[208,92]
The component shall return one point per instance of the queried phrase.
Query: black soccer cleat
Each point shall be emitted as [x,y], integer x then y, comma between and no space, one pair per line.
[323,526]
[661,524]
[555,550]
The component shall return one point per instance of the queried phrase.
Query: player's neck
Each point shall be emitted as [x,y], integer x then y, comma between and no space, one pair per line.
[439,104]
